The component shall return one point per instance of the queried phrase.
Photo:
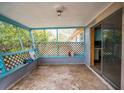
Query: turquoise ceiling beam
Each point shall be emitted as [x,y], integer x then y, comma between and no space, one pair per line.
[11,21]
[56,27]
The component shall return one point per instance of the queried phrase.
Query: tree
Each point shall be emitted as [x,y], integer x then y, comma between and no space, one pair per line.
[9,37]
[40,36]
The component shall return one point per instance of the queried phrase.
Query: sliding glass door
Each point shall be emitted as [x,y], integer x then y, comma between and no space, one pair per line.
[111,52]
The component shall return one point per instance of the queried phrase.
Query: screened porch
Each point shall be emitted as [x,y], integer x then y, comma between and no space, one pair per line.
[61,46]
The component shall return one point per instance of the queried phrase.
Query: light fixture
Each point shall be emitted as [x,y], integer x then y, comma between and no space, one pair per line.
[59,10]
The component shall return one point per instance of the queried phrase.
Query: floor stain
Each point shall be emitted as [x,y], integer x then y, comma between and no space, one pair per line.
[61,77]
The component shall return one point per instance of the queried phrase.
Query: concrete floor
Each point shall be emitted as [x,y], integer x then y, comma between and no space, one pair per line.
[61,77]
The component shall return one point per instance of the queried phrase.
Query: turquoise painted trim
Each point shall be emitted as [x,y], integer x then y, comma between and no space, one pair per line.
[78,56]
[17,24]
[2,65]
[20,39]
[84,45]
[13,53]
[11,71]
[56,27]
[33,40]
[4,71]
[13,22]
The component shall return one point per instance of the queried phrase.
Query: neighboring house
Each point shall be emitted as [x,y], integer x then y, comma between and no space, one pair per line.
[77,36]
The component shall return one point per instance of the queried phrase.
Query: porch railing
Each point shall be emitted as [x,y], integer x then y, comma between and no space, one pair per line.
[11,61]
[61,48]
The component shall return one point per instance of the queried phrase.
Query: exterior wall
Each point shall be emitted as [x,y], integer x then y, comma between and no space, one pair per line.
[104,14]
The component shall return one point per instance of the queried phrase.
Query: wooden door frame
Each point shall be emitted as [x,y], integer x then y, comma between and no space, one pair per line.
[92,36]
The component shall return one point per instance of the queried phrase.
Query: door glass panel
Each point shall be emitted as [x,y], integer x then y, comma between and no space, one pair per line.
[111,33]
[97,49]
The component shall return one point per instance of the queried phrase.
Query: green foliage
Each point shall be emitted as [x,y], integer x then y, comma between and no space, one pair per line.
[40,36]
[9,41]
[26,38]
[9,37]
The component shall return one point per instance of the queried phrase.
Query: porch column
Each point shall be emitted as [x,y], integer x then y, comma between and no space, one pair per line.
[20,39]
[33,41]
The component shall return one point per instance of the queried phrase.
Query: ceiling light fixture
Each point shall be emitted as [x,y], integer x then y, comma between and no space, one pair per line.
[59,10]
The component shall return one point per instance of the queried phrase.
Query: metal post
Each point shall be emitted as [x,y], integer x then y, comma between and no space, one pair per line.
[33,41]
[84,45]
[57,41]
[20,39]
